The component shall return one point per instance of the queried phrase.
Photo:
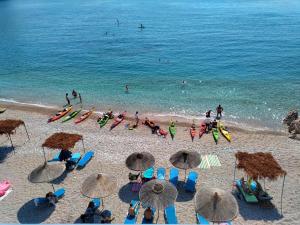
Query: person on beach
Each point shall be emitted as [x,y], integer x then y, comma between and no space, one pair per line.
[131,211]
[219,110]
[80,99]
[207,122]
[214,124]
[207,114]
[148,215]
[74,93]
[88,216]
[67,98]
[137,120]
[52,199]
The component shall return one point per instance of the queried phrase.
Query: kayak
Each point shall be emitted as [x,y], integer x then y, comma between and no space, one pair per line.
[60,114]
[193,132]
[172,130]
[215,133]
[202,129]
[71,115]
[2,110]
[103,120]
[84,116]
[224,132]
[118,120]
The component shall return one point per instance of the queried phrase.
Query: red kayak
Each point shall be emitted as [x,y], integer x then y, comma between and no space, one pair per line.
[163,133]
[60,114]
[202,129]
[84,116]
[193,132]
[118,120]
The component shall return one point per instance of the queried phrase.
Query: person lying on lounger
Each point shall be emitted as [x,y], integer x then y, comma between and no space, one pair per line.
[148,215]
[52,199]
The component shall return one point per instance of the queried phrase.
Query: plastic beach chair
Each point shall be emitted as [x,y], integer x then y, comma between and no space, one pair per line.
[75,157]
[97,202]
[149,173]
[85,159]
[131,219]
[201,220]
[59,194]
[190,184]
[174,172]
[161,173]
[170,215]
[144,221]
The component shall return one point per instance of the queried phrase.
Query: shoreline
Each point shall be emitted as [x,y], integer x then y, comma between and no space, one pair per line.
[157,118]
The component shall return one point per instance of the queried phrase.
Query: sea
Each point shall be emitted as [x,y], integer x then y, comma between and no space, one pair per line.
[190,56]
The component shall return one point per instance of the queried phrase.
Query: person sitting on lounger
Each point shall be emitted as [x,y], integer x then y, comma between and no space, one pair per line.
[131,210]
[245,186]
[52,199]
[148,215]
[88,216]
[106,217]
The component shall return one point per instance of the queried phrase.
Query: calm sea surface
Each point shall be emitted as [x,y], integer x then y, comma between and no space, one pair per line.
[242,54]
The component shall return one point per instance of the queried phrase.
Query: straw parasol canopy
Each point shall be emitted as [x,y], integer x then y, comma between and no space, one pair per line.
[158,194]
[46,172]
[216,205]
[62,141]
[99,186]
[140,161]
[185,159]
[259,165]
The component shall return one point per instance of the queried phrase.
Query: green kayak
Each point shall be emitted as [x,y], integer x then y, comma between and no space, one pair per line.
[103,120]
[71,115]
[215,133]
[172,129]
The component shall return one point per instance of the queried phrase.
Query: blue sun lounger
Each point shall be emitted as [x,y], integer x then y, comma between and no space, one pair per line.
[59,194]
[161,173]
[144,221]
[190,184]
[130,219]
[149,173]
[170,215]
[174,172]
[201,220]
[97,202]
[55,158]
[85,159]
[75,157]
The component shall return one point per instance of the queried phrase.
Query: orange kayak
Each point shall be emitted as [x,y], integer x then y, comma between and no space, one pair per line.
[60,114]
[84,116]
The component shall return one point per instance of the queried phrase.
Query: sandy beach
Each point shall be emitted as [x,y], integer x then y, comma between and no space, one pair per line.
[111,149]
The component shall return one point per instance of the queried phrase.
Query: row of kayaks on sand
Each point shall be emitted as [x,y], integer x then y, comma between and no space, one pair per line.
[66,114]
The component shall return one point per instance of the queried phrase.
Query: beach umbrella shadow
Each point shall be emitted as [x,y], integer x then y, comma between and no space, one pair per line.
[61,178]
[183,195]
[126,195]
[5,152]
[256,212]
[29,213]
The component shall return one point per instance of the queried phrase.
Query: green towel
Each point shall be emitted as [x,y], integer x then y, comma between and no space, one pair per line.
[208,161]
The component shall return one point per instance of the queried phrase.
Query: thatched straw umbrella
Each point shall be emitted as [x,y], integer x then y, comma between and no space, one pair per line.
[140,161]
[185,160]
[46,172]
[158,194]
[216,205]
[99,186]
[8,127]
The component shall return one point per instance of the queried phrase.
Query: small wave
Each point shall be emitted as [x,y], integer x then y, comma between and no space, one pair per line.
[10,100]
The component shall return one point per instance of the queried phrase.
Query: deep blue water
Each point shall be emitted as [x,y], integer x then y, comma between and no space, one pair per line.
[243,54]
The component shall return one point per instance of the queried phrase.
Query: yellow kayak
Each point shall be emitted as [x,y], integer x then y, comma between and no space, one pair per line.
[2,110]
[224,132]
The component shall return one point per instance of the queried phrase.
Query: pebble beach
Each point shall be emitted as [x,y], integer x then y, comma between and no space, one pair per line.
[111,150]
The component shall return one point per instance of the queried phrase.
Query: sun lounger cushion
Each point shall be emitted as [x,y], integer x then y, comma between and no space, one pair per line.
[161,173]
[191,181]
[149,173]
[174,172]
[97,202]
[75,157]
[59,194]
[85,159]
[170,215]
[201,220]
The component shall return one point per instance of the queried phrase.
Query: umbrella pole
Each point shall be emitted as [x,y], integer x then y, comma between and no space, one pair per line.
[83,145]
[157,216]
[12,145]
[44,155]
[282,195]
[26,131]
[53,187]
[234,171]
[184,175]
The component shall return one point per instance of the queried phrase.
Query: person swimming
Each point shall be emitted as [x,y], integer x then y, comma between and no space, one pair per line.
[74,93]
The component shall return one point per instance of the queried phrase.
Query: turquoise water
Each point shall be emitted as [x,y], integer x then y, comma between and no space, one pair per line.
[242,54]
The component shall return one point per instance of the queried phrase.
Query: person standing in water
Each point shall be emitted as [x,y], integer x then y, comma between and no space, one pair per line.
[219,111]
[126,89]
[67,98]
[80,99]
[207,114]
[137,120]
[74,93]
